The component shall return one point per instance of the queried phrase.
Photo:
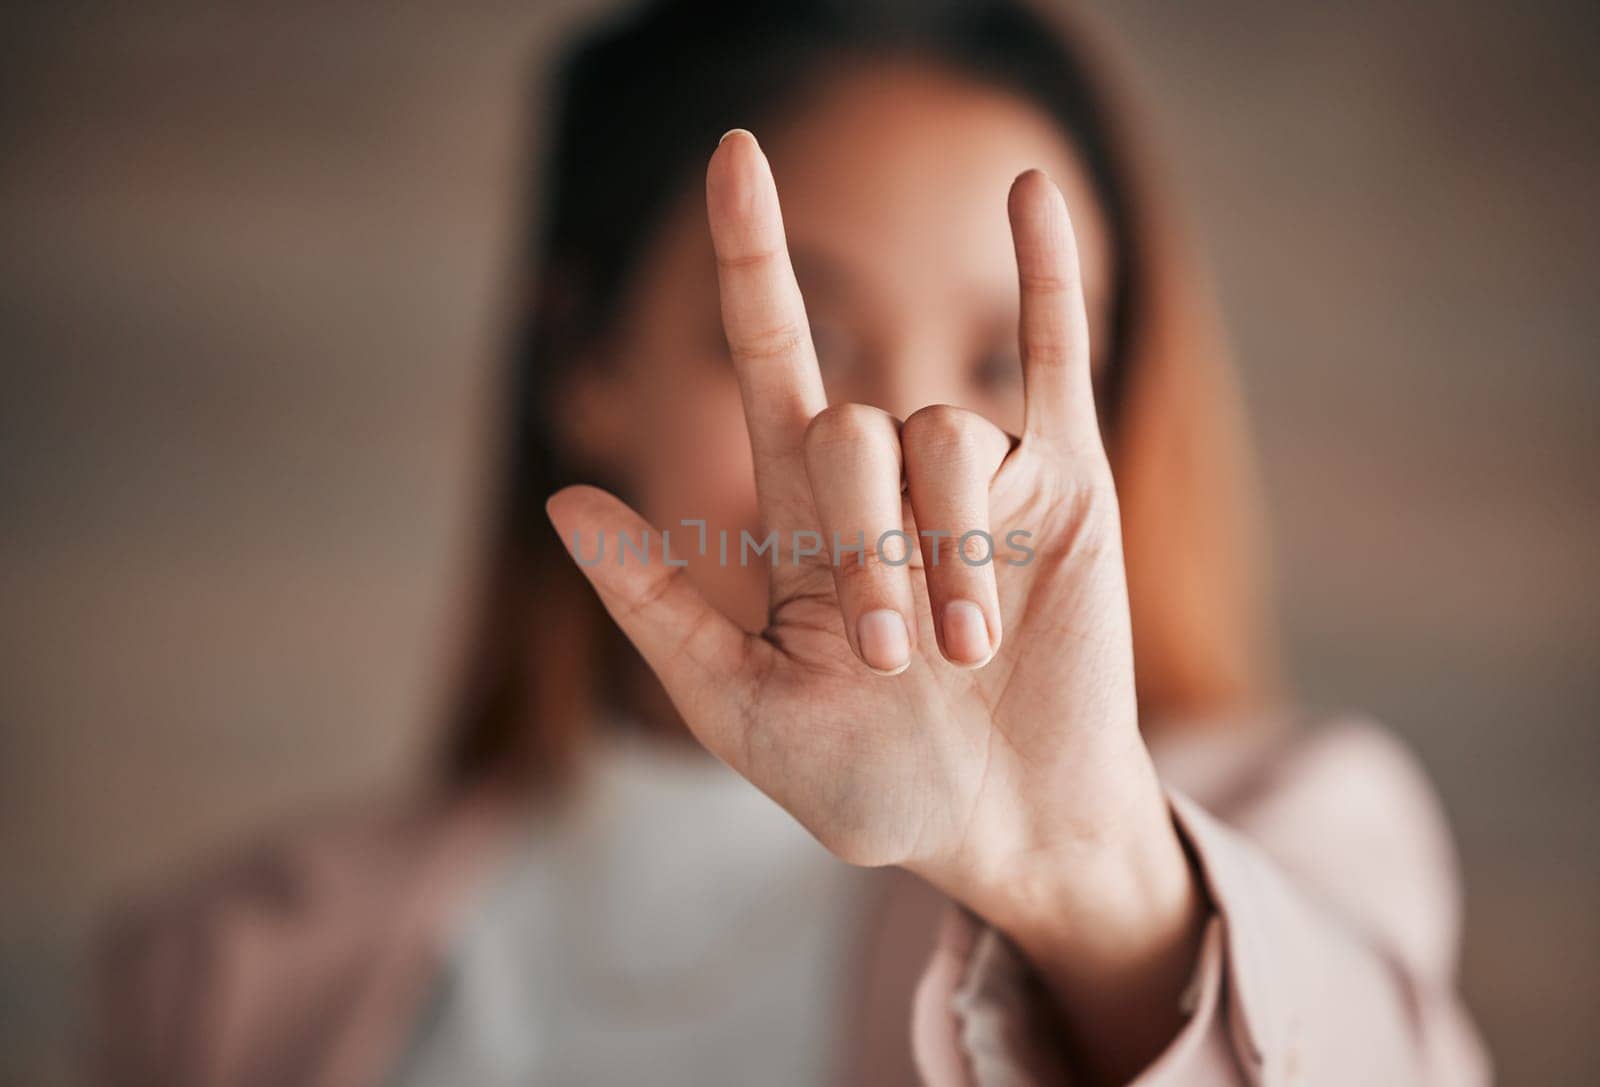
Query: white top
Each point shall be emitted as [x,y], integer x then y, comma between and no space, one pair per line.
[672,925]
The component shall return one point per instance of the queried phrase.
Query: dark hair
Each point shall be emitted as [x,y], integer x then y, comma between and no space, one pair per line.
[640,105]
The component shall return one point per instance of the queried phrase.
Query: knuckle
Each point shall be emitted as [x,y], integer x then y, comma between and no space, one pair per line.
[867,565]
[851,573]
[942,432]
[1040,353]
[1046,283]
[756,257]
[944,553]
[957,553]
[778,341]
[843,425]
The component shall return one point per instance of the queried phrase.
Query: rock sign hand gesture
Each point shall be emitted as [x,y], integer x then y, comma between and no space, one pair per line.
[972,722]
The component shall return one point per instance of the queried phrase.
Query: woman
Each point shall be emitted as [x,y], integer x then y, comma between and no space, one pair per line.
[913,472]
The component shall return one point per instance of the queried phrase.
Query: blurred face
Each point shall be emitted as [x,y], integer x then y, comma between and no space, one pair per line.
[893,186]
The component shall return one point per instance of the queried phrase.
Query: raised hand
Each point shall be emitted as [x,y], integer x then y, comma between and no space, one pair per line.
[973,721]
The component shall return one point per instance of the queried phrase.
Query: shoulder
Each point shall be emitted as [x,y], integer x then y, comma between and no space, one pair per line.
[278,951]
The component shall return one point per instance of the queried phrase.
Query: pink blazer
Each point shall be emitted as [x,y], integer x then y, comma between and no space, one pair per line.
[1328,959]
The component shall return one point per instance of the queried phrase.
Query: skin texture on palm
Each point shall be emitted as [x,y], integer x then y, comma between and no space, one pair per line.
[1000,760]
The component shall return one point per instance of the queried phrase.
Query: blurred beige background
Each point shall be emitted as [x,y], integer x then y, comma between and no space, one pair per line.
[251,276]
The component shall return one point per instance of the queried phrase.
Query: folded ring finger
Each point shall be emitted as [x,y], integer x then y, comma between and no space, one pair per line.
[854,466]
[951,456]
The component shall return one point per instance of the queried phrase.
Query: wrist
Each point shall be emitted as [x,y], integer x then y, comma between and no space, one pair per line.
[1086,858]
[1092,902]
[1110,922]
[1106,912]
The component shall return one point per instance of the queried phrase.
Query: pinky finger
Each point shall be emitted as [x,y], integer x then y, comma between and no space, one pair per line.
[1054,328]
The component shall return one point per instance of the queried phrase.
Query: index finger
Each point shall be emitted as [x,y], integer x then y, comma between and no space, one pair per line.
[765,321]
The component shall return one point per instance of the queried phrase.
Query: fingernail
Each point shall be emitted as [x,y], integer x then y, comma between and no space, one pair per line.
[966,633]
[731,131]
[884,640]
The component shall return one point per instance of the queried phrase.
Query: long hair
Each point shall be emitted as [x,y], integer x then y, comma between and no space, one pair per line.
[639,103]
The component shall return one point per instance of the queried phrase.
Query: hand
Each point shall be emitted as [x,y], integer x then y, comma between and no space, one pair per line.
[973,723]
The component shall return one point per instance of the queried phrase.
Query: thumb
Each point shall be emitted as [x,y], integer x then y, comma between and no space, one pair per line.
[698,653]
